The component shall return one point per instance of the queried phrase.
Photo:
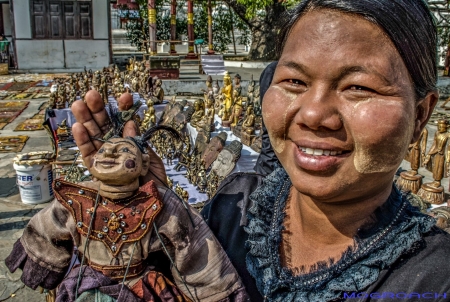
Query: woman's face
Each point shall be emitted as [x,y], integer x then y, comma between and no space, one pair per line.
[341,109]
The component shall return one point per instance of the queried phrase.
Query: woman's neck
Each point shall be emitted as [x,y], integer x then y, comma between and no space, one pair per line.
[318,231]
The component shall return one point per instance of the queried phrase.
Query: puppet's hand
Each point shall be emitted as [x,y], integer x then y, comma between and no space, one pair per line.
[93,123]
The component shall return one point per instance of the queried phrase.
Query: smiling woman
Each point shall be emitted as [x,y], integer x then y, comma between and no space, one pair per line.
[353,87]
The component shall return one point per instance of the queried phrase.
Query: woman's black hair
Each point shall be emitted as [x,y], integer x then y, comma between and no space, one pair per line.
[408,23]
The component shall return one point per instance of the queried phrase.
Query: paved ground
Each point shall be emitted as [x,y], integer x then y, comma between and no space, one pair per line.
[14,214]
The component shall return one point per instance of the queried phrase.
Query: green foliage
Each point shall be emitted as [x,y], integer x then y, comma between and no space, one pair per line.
[255,8]
[224,20]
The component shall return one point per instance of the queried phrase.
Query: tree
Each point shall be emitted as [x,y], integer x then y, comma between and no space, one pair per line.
[262,17]
[137,25]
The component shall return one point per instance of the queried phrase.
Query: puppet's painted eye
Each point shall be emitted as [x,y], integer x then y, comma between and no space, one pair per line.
[125,149]
[101,150]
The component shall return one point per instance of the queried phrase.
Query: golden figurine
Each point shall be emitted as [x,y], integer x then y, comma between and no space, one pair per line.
[248,127]
[208,119]
[437,161]
[227,94]
[149,117]
[410,181]
[237,109]
[158,92]
[72,97]
[237,84]
[202,181]
[185,195]
[199,107]
[184,154]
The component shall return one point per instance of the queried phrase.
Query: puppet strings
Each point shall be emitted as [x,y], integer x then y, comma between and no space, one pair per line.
[128,266]
[171,261]
[81,271]
[184,204]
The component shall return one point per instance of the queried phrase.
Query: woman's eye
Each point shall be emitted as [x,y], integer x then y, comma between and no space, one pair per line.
[295,82]
[361,88]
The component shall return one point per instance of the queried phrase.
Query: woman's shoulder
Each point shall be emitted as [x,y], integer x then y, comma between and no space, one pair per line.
[232,197]
[424,269]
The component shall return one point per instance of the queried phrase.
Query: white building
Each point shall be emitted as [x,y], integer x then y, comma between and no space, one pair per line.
[55,35]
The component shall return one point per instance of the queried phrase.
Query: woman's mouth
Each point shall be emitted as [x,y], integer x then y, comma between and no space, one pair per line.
[319,160]
[319,152]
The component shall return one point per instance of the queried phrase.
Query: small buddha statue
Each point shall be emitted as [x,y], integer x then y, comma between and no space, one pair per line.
[135,84]
[202,181]
[208,118]
[52,101]
[130,66]
[63,128]
[62,97]
[72,97]
[438,162]
[149,117]
[216,88]
[227,94]
[158,91]
[185,195]
[248,127]
[256,101]
[237,109]
[250,90]
[410,181]
[63,131]
[209,84]
[199,107]
[237,84]
[185,153]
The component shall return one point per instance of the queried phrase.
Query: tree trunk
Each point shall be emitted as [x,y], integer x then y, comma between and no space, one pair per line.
[264,30]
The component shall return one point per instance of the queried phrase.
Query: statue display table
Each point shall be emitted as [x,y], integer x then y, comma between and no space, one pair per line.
[248,158]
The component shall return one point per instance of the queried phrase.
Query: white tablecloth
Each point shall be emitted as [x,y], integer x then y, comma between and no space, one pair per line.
[245,163]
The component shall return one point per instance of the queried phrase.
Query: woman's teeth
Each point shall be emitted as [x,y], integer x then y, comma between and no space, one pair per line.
[319,152]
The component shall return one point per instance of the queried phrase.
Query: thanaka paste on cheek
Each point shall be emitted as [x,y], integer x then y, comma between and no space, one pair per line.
[384,154]
[277,136]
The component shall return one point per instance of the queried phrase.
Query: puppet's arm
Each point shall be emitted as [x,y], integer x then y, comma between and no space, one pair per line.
[203,270]
[45,249]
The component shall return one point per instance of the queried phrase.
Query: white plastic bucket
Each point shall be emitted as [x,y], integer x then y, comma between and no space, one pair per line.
[34,178]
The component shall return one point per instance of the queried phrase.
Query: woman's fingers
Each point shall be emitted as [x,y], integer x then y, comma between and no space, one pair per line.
[84,143]
[92,123]
[97,109]
[130,129]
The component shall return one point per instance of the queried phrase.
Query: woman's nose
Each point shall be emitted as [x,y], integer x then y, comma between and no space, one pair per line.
[317,108]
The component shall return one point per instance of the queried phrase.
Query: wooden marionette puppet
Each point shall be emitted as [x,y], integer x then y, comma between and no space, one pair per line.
[124,233]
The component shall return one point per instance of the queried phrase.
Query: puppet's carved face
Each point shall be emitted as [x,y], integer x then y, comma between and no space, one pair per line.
[119,162]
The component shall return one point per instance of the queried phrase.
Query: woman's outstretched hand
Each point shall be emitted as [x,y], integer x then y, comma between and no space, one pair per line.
[93,123]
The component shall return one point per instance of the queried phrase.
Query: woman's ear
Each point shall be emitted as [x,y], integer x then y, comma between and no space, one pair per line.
[145,164]
[424,109]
